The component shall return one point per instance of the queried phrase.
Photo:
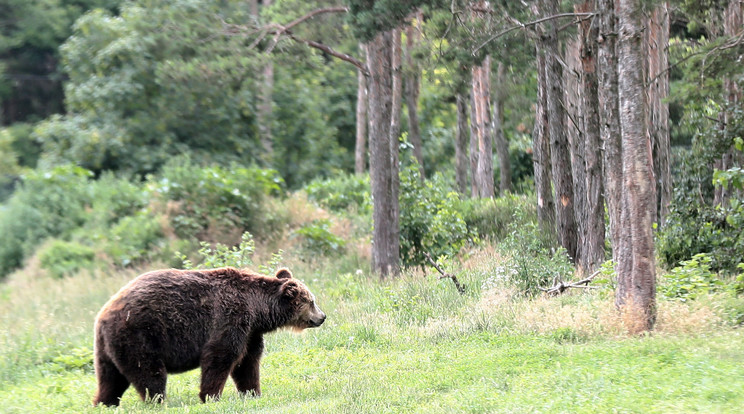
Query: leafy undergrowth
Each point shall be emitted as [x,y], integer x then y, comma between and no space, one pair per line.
[409,345]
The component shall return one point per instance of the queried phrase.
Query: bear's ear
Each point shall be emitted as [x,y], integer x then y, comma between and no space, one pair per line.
[290,289]
[283,273]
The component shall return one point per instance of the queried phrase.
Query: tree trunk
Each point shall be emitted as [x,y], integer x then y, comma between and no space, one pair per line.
[574,121]
[461,144]
[481,100]
[360,150]
[397,99]
[411,88]
[473,137]
[264,115]
[502,146]
[609,116]
[593,240]
[385,237]
[657,45]
[560,157]
[541,151]
[636,284]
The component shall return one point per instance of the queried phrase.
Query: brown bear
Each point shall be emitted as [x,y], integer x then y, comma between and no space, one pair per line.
[171,321]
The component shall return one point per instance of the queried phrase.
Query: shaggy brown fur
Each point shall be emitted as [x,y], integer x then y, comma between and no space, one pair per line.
[170,321]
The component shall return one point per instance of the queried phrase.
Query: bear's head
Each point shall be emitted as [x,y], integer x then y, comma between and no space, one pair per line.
[305,312]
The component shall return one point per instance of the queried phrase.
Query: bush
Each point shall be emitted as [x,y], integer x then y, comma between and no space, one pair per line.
[691,279]
[317,239]
[212,201]
[134,239]
[46,204]
[240,256]
[430,220]
[62,258]
[494,217]
[536,259]
[341,193]
[695,225]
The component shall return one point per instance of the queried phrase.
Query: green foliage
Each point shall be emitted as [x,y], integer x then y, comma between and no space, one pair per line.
[317,239]
[134,240]
[74,359]
[738,283]
[536,259]
[430,220]
[691,279]
[159,79]
[220,255]
[46,204]
[62,258]
[341,193]
[494,218]
[214,200]
[694,224]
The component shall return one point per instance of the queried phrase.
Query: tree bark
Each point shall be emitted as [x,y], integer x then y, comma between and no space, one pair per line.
[397,103]
[264,115]
[473,145]
[483,127]
[593,240]
[541,149]
[461,144]
[360,149]
[574,121]
[609,116]
[560,157]
[502,146]
[385,237]
[657,45]
[411,89]
[636,284]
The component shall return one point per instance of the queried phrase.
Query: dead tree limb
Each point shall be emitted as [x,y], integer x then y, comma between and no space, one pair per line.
[460,288]
[559,286]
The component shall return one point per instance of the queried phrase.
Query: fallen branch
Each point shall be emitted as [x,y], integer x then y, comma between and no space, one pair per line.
[560,287]
[460,288]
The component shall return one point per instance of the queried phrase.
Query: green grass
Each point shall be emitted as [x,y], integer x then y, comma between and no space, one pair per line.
[410,345]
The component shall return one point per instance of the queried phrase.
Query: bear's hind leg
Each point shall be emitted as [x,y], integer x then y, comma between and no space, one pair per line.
[111,383]
[150,380]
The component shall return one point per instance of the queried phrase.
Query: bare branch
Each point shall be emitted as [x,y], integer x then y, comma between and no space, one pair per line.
[279,30]
[284,29]
[560,287]
[532,23]
[327,49]
[460,288]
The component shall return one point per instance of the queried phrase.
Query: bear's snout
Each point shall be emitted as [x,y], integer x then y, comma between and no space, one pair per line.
[317,317]
[317,321]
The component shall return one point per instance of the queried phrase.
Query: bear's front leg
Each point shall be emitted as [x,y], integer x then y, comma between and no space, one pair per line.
[217,361]
[246,372]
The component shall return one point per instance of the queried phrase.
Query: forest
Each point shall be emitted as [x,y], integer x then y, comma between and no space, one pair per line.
[501,206]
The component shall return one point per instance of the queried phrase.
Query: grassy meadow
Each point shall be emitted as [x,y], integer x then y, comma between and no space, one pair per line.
[412,344]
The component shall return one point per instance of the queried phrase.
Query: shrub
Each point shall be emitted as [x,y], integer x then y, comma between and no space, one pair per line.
[134,239]
[341,193]
[691,279]
[695,225]
[536,259]
[213,200]
[318,240]
[430,220]
[493,217]
[46,204]
[62,258]
[220,255]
